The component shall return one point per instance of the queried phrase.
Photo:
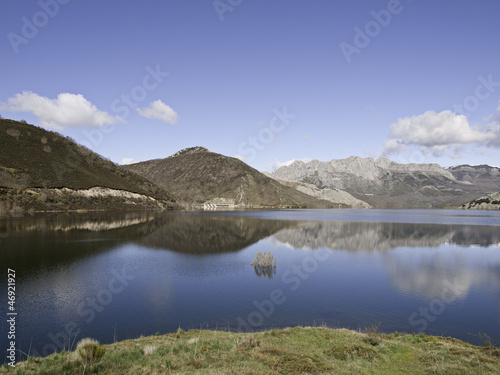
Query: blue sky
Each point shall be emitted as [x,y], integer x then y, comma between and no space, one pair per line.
[267,81]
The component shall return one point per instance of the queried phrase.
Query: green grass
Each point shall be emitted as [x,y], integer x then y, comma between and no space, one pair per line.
[287,351]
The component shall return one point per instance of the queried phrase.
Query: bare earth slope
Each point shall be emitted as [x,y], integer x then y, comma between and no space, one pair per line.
[202,177]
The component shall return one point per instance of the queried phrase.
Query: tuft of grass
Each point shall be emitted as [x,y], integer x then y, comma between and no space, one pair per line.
[149,349]
[90,351]
[264,260]
[264,264]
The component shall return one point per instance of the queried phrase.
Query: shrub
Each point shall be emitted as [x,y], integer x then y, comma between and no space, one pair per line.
[90,351]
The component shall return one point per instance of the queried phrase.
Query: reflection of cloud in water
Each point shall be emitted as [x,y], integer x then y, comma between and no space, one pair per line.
[424,257]
[428,273]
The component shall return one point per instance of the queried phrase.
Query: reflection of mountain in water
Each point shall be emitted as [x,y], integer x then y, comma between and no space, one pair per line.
[476,235]
[205,233]
[357,236]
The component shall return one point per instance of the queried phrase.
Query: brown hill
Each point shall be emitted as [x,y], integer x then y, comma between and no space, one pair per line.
[199,176]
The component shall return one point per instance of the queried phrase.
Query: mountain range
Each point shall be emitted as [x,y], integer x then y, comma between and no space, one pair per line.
[386,184]
[43,171]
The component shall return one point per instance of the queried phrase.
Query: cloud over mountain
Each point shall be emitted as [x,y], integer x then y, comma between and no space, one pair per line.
[66,111]
[435,133]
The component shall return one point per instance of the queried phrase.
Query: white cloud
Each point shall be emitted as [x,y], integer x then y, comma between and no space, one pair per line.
[494,128]
[66,111]
[394,146]
[126,161]
[275,165]
[433,128]
[159,110]
[435,133]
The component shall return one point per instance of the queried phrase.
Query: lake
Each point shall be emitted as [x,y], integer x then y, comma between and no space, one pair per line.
[122,275]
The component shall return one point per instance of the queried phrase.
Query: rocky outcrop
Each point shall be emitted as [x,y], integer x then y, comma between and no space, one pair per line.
[190,150]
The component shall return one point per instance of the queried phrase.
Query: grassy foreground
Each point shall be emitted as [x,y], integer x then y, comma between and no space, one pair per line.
[287,351]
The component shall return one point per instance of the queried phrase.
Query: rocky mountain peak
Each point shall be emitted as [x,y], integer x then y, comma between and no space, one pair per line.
[190,150]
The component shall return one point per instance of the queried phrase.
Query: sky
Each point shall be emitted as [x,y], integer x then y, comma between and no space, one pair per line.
[268,82]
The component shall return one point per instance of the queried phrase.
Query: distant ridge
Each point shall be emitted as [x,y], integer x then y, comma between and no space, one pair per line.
[387,184]
[483,175]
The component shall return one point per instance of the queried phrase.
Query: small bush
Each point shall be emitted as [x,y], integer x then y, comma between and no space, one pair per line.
[90,351]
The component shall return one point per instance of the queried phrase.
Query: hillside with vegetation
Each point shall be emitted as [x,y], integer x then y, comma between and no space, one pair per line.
[41,170]
[201,177]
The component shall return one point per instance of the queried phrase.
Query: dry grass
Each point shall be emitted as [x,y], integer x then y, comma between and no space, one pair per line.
[149,349]
[264,260]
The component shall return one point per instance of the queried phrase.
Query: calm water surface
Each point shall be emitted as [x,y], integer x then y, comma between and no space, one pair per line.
[119,276]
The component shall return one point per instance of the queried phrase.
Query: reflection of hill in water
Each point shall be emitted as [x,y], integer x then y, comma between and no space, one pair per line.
[41,243]
[357,236]
[204,234]
[93,222]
